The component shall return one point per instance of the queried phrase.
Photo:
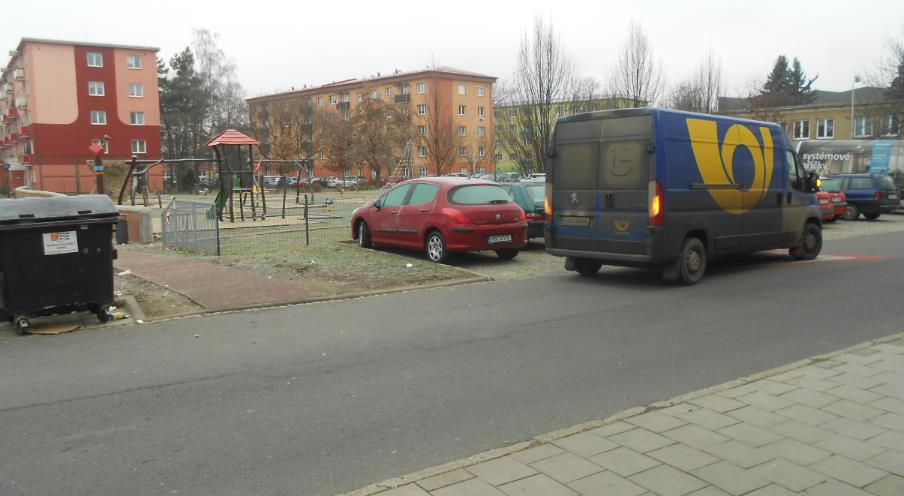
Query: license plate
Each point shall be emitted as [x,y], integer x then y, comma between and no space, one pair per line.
[499,238]
[575,221]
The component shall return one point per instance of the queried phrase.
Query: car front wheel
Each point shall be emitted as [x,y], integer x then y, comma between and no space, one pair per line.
[435,247]
[364,240]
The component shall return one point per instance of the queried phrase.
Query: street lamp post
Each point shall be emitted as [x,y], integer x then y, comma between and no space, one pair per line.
[855,81]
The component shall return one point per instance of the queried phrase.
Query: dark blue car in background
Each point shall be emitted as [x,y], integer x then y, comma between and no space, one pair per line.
[867,194]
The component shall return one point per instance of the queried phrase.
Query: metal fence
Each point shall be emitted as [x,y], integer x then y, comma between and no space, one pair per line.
[191,225]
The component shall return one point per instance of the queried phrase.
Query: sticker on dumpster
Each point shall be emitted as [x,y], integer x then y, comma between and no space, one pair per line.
[57,243]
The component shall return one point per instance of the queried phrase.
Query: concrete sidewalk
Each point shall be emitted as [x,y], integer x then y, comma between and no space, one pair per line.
[214,287]
[831,425]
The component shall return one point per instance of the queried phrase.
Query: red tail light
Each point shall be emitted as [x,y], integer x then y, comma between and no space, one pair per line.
[878,195]
[654,193]
[521,216]
[535,216]
[456,216]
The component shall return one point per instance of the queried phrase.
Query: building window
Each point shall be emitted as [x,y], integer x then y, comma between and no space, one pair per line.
[421,88]
[389,91]
[136,90]
[103,143]
[801,130]
[95,59]
[422,152]
[462,151]
[462,109]
[333,99]
[98,117]
[863,126]
[374,95]
[512,113]
[322,155]
[133,61]
[481,111]
[481,152]
[136,118]
[498,157]
[422,109]
[825,128]
[319,101]
[422,172]
[461,90]
[422,130]
[360,97]
[139,146]
[513,128]
[481,131]
[889,125]
[462,130]
[95,88]
[481,91]
[346,97]
[405,90]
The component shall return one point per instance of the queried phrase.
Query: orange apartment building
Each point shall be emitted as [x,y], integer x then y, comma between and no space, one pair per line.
[57,98]
[466,96]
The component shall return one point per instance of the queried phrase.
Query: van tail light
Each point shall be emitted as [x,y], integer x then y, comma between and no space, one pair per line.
[654,192]
[878,195]
[547,200]
[456,216]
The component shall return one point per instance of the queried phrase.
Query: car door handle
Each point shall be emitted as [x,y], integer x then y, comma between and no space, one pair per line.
[610,200]
[425,210]
[394,212]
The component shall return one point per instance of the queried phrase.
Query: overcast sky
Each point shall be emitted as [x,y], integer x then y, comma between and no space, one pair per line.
[277,45]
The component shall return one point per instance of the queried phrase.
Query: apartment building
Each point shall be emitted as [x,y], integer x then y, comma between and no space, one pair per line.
[60,97]
[466,96]
[876,116]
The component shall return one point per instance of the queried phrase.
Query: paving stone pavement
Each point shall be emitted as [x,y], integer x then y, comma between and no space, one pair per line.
[832,426]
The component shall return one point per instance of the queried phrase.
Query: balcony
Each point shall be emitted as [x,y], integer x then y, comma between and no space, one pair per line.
[343,106]
[25,158]
[23,132]
[20,73]
[21,102]
[12,136]
[404,98]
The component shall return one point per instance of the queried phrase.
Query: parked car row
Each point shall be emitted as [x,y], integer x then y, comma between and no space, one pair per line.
[867,194]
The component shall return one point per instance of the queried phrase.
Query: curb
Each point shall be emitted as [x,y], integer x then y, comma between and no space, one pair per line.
[594,424]
[320,299]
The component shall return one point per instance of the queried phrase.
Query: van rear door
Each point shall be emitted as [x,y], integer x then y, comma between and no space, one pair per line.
[575,197]
[625,169]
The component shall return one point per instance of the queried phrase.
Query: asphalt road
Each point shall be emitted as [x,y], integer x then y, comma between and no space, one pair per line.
[324,398]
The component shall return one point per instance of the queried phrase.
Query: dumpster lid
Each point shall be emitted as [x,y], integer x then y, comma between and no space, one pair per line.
[58,207]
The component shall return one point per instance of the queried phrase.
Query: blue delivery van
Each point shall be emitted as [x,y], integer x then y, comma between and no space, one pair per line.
[670,190]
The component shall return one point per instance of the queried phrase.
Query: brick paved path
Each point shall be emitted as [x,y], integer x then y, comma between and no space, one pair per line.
[832,427]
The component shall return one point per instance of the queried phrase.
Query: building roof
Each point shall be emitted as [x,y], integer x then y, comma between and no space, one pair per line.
[23,41]
[862,96]
[230,137]
[378,79]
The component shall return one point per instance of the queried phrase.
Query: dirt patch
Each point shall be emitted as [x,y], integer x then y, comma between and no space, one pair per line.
[157,302]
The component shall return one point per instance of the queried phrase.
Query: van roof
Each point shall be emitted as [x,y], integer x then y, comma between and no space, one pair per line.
[631,112]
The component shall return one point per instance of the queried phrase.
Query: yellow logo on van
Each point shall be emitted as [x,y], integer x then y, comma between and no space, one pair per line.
[621,226]
[715,162]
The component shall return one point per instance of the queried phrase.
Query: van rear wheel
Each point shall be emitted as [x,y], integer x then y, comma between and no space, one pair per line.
[586,267]
[691,263]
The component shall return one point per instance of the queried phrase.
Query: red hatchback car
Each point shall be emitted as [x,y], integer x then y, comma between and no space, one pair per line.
[441,215]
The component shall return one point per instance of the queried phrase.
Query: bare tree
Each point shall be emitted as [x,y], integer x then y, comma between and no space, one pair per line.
[543,87]
[441,141]
[335,139]
[383,131]
[637,77]
[700,92]
[228,108]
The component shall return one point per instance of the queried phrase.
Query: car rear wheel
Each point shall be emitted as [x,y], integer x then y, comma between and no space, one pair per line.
[364,240]
[810,243]
[507,254]
[587,267]
[871,216]
[435,247]
[851,212]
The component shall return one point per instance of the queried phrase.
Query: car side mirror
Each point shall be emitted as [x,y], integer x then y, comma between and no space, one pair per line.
[378,204]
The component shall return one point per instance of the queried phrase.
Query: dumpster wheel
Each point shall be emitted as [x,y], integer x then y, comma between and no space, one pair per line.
[103,314]
[22,324]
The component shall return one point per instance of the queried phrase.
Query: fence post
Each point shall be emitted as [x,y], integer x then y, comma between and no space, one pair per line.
[307,223]
[216,223]
[285,189]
